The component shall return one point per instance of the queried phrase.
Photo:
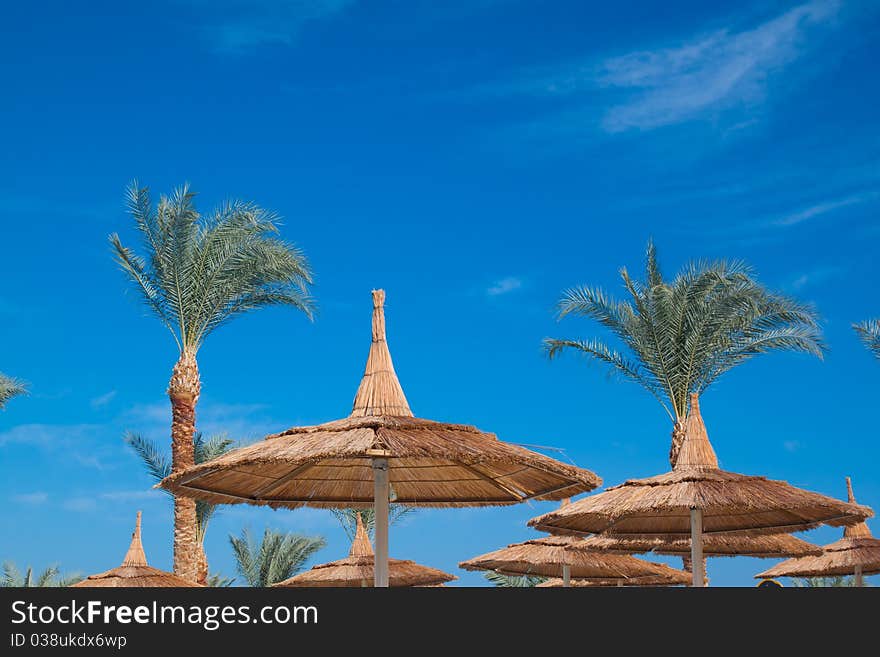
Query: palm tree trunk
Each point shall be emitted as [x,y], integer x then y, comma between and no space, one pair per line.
[677,440]
[688,567]
[183,391]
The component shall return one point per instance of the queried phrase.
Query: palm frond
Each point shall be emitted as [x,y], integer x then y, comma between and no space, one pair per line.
[347,517]
[199,272]
[219,580]
[679,336]
[513,581]
[869,332]
[278,556]
[9,388]
[157,463]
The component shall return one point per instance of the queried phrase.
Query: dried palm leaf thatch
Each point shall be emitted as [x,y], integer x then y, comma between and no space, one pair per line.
[546,557]
[660,506]
[714,545]
[358,569]
[433,464]
[676,578]
[858,552]
[134,571]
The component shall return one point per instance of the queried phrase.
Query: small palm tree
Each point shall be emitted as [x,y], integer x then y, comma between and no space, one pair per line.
[277,557]
[679,336]
[158,466]
[196,274]
[10,388]
[869,332]
[513,581]
[51,576]
[818,582]
[348,518]
[218,580]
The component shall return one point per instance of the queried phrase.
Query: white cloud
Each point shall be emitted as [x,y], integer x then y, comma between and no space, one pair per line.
[815,277]
[713,71]
[693,79]
[236,26]
[102,400]
[80,504]
[791,445]
[47,435]
[504,286]
[819,209]
[32,498]
[131,495]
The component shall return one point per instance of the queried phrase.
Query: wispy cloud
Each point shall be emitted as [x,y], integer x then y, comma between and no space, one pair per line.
[46,435]
[131,495]
[31,498]
[80,504]
[815,277]
[791,445]
[824,207]
[102,400]
[504,286]
[238,421]
[237,26]
[696,78]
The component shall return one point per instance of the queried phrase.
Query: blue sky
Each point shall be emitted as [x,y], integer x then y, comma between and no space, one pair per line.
[474,160]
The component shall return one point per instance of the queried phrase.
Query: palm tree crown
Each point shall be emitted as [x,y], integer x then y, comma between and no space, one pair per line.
[869,332]
[201,272]
[10,388]
[277,557]
[680,335]
[51,576]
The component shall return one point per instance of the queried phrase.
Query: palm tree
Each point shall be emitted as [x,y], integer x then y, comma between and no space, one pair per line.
[820,582]
[51,576]
[196,274]
[158,466]
[680,336]
[277,557]
[869,332]
[513,581]
[10,388]
[348,518]
[219,580]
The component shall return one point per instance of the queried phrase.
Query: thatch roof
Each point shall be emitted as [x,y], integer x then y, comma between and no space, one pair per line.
[676,578]
[714,545]
[134,571]
[546,556]
[430,463]
[730,502]
[357,569]
[857,549]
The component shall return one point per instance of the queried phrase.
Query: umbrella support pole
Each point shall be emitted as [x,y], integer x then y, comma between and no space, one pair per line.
[697,563]
[380,507]
[857,577]
[566,576]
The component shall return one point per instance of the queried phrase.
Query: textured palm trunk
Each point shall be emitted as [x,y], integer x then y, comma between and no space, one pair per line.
[674,449]
[183,391]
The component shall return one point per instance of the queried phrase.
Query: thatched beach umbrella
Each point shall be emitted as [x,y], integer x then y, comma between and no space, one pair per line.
[134,571]
[566,557]
[772,546]
[857,554]
[379,449]
[696,498]
[675,578]
[358,569]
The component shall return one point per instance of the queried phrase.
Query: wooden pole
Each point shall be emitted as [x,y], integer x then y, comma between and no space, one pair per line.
[697,563]
[566,576]
[380,506]
[858,576]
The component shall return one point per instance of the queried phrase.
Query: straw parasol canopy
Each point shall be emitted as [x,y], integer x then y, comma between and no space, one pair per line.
[857,553]
[134,571]
[358,569]
[676,578]
[567,557]
[698,497]
[381,450]
[714,545]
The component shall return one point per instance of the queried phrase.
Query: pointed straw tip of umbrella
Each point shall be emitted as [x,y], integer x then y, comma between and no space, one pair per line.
[851,498]
[378,298]
[360,546]
[696,450]
[135,555]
